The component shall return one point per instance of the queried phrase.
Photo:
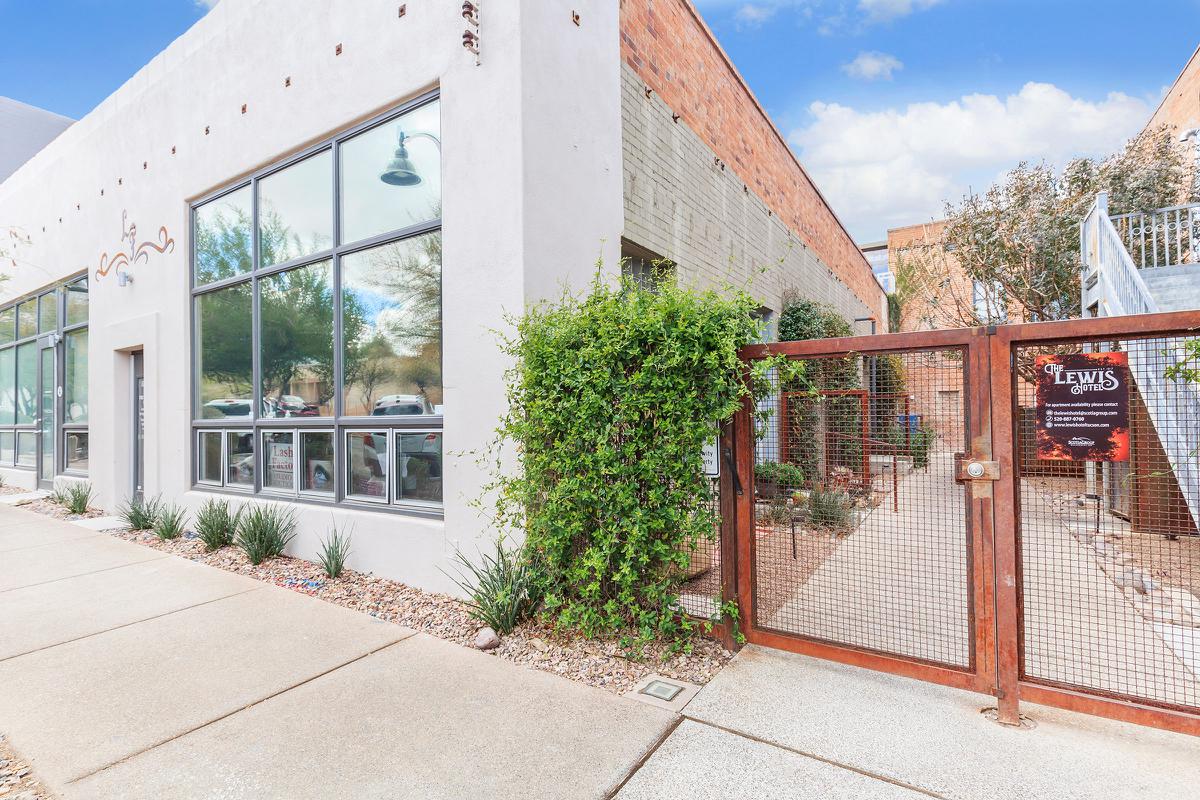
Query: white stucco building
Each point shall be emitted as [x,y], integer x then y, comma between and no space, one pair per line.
[271,265]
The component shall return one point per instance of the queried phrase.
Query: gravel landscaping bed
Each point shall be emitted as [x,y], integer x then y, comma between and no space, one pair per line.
[14,490]
[595,663]
[52,509]
[17,781]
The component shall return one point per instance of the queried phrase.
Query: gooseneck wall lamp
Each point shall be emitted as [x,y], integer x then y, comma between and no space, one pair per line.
[401,171]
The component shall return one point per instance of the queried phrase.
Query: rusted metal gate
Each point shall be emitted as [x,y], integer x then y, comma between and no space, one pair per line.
[893,511]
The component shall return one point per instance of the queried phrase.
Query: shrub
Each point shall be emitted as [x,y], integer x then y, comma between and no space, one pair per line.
[773,477]
[75,496]
[141,514]
[829,508]
[503,588]
[170,523]
[916,444]
[334,551]
[264,531]
[216,525]
[612,397]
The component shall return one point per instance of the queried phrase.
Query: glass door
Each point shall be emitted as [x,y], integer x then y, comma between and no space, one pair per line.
[46,416]
[139,425]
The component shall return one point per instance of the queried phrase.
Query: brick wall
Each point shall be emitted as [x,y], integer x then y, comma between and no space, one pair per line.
[672,52]
[681,204]
[1180,109]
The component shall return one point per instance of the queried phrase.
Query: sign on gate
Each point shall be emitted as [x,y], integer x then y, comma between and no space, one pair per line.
[1083,407]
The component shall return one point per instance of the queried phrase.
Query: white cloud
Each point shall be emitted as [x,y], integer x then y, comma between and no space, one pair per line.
[873,65]
[831,16]
[898,166]
[884,10]
[751,15]
[206,5]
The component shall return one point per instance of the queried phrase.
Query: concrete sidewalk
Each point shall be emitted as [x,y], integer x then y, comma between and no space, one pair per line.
[125,673]
[789,726]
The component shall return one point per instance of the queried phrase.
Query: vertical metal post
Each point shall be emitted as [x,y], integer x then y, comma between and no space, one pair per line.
[730,488]
[1005,514]
[743,454]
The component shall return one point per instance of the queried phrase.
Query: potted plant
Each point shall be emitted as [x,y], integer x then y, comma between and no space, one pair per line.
[771,478]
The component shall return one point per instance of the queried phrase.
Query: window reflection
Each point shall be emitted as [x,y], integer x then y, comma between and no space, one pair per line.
[240,470]
[47,312]
[369,206]
[224,361]
[77,450]
[366,465]
[26,319]
[26,383]
[8,325]
[296,308]
[77,302]
[210,457]
[295,207]
[8,386]
[392,328]
[317,461]
[222,237]
[26,448]
[76,376]
[419,466]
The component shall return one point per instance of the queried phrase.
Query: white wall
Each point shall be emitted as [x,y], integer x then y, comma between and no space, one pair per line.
[531,193]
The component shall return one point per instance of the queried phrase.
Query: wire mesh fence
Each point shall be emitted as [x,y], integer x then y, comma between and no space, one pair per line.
[700,592]
[1108,512]
[860,528]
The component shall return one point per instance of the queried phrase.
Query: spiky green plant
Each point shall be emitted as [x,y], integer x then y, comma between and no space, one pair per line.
[75,496]
[334,552]
[503,588]
[216,524]
[140,513]
[170,523]
[264,532]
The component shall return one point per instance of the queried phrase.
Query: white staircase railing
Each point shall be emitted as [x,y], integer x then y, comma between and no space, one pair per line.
[1113,287]
[1165,237]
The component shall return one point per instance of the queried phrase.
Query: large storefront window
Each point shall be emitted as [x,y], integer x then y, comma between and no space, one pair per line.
[44,381]
[318,354]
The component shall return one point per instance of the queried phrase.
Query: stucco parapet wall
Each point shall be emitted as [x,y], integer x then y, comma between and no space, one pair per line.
[676,55]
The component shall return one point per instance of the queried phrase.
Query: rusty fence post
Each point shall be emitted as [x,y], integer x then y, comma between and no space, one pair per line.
[1005,530]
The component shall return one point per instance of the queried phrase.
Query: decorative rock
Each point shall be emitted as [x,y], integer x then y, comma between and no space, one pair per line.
[486,639]
[538,644]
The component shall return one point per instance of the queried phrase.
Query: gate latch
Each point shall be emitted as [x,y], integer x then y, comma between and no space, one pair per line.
[971,469]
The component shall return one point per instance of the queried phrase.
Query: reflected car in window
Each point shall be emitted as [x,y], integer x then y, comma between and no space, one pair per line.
[401,404]
[237,407]
[292,406]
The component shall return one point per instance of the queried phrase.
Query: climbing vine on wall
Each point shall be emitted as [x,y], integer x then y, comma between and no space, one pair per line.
[612,397]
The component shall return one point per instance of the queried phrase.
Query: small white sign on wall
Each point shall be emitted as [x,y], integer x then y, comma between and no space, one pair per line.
[712,458]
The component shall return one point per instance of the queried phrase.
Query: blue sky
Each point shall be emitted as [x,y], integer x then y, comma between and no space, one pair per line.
[895,106]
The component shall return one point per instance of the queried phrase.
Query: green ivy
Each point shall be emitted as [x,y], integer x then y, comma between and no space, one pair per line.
[612,398]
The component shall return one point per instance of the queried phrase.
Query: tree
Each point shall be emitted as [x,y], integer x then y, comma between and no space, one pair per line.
[373,368]
[1018,242]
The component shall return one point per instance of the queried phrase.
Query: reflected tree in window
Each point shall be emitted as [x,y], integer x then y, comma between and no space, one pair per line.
[223,237]
[296,335]
[225,357]
[396,352]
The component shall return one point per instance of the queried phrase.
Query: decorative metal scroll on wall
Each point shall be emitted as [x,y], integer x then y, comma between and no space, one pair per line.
[137,251]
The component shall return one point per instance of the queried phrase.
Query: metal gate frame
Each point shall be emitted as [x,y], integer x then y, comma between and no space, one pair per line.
[995,612]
